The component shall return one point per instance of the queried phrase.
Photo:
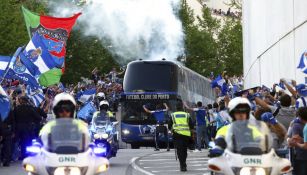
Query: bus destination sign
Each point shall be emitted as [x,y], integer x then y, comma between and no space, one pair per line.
[147,97]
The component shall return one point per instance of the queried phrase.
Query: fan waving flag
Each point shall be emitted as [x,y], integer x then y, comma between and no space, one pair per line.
[217,82]
[221,84]
[18,70]
[54,32]
[87,95]
[303,63]
[36,95]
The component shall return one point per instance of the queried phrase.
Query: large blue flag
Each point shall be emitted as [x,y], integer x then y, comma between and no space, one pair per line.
[18,70]
[86,95]
[303,63]
[4,105]
[87,111]
[220,82]
[217,82]
[36,56]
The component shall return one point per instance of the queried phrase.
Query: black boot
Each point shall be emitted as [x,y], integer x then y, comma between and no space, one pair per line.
[183,169]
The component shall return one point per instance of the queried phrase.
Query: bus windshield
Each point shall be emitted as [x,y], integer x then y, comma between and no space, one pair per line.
[133,112]
[148,77]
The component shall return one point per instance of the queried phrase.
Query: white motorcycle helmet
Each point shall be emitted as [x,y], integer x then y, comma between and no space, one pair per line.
[239,104]
[101,96]
[104,105]
[64,101]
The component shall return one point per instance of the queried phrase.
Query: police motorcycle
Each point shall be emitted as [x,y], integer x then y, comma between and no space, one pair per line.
[249,152]
[104,135]
[65,151]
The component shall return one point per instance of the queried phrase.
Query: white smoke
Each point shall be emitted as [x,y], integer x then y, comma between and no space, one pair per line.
[146,29]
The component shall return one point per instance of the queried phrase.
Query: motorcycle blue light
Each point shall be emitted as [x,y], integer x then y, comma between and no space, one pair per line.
[99,150]
[33,149]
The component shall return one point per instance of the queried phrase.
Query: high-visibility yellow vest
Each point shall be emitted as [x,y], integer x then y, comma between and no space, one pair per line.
[181,123]
[222,132]
[97,113]
[82,126]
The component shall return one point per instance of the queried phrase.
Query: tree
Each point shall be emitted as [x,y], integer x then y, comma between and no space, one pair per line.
[231,46]
[212,45]
[83,55]
[13,31]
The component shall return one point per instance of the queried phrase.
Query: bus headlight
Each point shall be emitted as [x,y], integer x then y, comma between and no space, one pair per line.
[126,132]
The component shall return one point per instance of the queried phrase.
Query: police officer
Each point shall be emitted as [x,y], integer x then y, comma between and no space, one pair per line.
[104,111]
[181,125]
[159,115]
[63,107]
[239,109]
[99,98]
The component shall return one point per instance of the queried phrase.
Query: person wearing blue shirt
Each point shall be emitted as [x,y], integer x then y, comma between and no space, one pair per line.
[159,115]
[201,124]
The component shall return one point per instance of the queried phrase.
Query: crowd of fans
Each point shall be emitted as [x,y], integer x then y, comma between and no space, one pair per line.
[26,118]
[282,107]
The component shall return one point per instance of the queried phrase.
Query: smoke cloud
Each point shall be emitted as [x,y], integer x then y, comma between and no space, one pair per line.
[133,29]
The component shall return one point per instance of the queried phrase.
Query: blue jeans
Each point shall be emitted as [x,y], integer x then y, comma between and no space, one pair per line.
[202,135]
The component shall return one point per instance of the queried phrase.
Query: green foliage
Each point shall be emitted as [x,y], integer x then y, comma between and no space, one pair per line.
[13,32]
[231,46]
[83,55]
[212,45]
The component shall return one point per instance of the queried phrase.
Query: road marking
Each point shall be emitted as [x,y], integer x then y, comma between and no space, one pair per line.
[172,162]
[157,160]
[137,168]
[170,166]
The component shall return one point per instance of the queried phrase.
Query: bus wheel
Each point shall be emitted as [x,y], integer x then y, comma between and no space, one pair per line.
[135,146]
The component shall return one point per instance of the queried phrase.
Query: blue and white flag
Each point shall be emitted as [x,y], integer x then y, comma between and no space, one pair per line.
[218,82]
[37,53]
[17,70]
[4,63]
[36,95]
[87,111]
[303,63]
[86,95]
[5,106]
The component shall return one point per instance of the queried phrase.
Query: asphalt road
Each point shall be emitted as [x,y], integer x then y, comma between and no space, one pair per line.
[162,163]
[140,162]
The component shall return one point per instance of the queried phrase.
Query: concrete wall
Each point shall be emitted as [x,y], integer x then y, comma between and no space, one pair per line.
[274,37]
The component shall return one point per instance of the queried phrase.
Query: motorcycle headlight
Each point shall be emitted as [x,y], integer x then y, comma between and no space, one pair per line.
[29,168]
[102,168]
[251,171]
[105,136]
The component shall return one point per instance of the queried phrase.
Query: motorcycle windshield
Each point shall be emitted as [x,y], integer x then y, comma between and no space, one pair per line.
[101,121]
[249,138]
[66,138]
